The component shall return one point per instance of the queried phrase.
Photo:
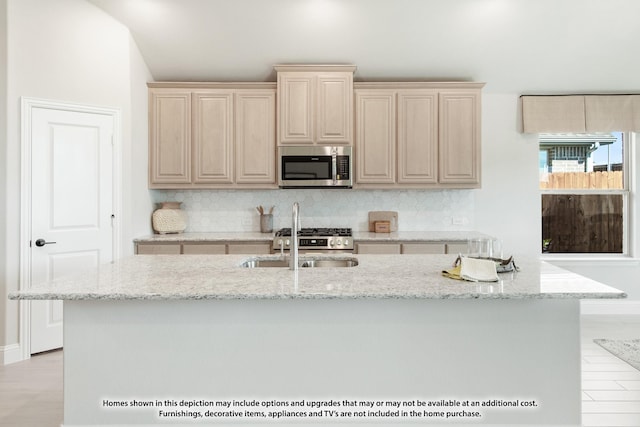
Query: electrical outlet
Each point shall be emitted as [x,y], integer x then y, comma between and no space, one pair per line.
[458,221]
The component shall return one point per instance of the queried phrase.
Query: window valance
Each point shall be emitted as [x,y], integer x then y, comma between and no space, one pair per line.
[580,113]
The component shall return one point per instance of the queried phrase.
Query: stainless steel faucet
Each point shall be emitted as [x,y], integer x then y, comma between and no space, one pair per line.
[295,226]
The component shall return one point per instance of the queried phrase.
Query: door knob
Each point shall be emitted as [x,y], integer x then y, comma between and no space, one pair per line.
[41,242]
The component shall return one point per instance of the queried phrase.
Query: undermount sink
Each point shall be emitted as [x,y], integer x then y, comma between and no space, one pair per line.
[303,263]
[260,263]
[351,262]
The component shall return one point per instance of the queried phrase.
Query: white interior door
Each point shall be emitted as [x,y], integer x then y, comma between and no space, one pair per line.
[71,206]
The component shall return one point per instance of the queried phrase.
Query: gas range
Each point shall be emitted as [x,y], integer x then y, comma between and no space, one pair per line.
[316,239]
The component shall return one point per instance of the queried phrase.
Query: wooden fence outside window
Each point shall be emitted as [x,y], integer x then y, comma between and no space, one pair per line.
[582,180]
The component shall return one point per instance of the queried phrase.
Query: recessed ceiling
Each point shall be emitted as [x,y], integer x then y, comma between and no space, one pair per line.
[513,45]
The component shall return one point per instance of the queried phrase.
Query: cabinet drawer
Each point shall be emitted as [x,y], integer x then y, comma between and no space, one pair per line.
[204,248]
[249,248]
[457,248]
[423,248]
[158,249]
[378,248]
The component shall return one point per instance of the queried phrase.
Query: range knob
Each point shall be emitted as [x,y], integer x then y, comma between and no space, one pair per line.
[346,242]
[339,242]
[287,242]
[332,243]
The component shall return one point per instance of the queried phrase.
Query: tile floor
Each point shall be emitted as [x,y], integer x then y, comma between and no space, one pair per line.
[31,391]
[610,387]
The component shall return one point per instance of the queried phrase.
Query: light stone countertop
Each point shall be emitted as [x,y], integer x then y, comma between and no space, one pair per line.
[195,277]
[405,236]
[206,237]
[418,236]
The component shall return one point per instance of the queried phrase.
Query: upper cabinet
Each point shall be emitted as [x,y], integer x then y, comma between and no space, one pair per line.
[417,135]
[170,137]
[212,123]
[315,104]
[459,133]
[405,134]
[212,135]
[375,125]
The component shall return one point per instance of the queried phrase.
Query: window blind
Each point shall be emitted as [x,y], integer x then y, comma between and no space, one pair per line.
[580,113]
[610,113]
[553,114]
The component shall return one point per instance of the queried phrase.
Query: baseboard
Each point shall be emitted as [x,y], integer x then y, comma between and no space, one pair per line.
[624,308]
[10,354]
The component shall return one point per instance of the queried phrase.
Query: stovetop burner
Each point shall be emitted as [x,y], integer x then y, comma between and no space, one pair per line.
[320,232]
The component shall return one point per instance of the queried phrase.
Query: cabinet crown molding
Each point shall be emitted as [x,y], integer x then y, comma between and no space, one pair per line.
[212,85]
[315,67]
[418,85]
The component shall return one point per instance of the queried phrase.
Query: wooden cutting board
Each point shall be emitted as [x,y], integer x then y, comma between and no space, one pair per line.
[390,216]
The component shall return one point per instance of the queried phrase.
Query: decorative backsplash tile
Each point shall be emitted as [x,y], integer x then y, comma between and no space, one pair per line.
[229,210]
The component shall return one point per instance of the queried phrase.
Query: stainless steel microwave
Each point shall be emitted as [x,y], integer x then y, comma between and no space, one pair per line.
[315,167]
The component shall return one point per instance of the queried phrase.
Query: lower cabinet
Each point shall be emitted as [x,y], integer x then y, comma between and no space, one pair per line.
[205,248]
[249,248]
[457,248]
[158,249]
[407,248]
[264,248]
[378,248]
[423,248]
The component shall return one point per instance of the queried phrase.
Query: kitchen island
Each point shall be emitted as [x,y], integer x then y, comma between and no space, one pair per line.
[173,340]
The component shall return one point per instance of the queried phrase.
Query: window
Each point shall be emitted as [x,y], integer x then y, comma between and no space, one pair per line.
[584,193]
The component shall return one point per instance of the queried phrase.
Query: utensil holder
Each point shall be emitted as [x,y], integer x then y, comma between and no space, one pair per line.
[266,223]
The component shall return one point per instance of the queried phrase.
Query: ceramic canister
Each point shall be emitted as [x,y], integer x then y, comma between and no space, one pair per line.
[169,218]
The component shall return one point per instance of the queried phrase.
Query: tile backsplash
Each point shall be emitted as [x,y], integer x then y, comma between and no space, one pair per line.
[229,210]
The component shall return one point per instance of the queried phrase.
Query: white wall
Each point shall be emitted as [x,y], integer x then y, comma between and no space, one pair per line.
[3,167]
[138,206]
[67,50]
[508,205]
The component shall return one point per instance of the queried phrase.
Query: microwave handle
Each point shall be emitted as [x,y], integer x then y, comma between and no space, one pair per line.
[334,165]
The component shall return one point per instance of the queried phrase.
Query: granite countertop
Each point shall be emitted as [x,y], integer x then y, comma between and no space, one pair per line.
[195,277]
[419,236]
[404,236]
[206,237]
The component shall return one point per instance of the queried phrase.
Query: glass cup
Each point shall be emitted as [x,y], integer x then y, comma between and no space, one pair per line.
[484,248]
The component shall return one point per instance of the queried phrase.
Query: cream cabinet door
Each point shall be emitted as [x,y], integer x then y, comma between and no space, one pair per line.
[375,137]
[169,137]
[295,107]
[213,137]
[459,132]
[315,107]
[378,248]
[255,113]
[204,248]
[334,115]
[248,248]
[418,137]
[158,248]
